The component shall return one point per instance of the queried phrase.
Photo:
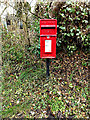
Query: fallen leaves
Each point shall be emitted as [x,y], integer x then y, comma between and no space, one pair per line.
[62,91]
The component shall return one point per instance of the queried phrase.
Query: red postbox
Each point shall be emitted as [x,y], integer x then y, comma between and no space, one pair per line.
[48,34]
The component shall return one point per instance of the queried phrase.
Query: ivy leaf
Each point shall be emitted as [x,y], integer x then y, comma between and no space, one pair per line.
[65,34]
[70,18]
[78,30]
[70,85]
[72,34]
[88,27]
[85,21]
[77,12]
[63,28]
[45,14]
[77,34]
[68,9]
[72,10]
[78,18]
[47,9]
[81,8]
[71,30]
[68,34]
[62,14]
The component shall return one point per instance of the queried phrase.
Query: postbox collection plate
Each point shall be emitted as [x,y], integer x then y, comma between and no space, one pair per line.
[48,46]
[48,33]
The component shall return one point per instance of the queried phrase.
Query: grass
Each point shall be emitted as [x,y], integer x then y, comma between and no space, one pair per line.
[30,91]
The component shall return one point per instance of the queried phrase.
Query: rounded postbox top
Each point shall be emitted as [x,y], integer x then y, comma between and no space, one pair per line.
[48,27]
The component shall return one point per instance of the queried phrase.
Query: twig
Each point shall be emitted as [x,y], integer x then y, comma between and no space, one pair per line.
[3,10]
[29,11]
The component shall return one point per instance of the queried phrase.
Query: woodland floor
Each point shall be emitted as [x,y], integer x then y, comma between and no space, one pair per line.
[64,94]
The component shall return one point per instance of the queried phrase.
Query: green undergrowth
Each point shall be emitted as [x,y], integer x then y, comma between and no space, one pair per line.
[31,91]
[26,91]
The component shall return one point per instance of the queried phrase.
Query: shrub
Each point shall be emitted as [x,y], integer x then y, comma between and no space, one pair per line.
[72,21]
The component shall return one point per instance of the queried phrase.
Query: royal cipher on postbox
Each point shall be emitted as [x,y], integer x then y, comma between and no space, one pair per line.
[48,34]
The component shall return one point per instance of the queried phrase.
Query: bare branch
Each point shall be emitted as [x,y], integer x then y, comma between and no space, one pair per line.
[29,11]
[35,15]
[3,10]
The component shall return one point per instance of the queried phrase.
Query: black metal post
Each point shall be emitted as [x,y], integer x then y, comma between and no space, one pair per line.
[47,66]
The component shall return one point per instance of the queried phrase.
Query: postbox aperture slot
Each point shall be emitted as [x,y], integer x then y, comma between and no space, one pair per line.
[48,46]
[47,27]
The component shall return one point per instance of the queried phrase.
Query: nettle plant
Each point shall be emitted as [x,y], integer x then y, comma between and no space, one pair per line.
[72,19]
